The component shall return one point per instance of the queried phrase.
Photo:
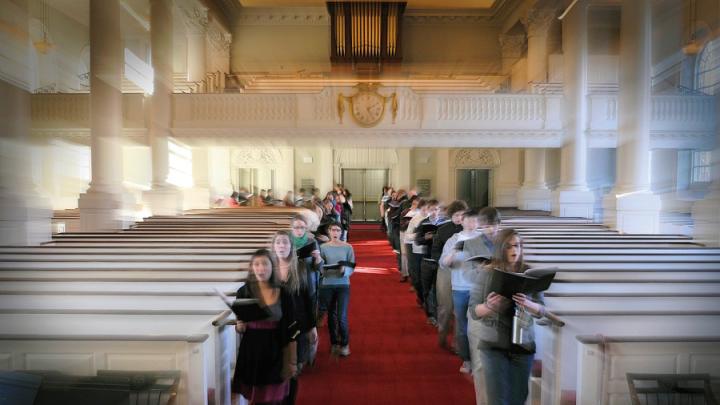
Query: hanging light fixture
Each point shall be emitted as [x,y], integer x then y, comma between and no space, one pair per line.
[44,45]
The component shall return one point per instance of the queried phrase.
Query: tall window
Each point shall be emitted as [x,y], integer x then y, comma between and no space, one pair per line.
[708,68]
[700,172]
[180,165]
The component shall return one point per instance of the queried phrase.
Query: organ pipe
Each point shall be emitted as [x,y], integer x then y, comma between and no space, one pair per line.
[365,30]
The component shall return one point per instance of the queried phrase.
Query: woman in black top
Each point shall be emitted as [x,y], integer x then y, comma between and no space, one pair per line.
[294,281]
[267,350]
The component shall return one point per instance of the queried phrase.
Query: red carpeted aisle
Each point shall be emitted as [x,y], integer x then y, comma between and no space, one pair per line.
[395,357]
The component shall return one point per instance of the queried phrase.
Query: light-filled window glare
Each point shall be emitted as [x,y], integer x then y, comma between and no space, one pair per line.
[700,172]
[180,165]
[708,68]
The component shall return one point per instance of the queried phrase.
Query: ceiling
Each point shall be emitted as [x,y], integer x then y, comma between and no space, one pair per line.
[411,4]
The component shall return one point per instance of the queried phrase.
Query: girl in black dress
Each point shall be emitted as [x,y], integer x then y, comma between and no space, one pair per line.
[266,357]
[294,281]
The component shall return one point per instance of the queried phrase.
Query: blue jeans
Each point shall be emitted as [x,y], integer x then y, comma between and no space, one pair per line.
[506,376]
[336,300]
[460,306]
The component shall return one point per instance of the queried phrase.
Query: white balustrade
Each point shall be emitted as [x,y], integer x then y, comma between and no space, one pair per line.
[73,110]
[677,120]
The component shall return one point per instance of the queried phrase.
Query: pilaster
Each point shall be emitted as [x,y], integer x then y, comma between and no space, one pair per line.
[105,206]
[572,197]
[631,207]
[164,198]
[534,194]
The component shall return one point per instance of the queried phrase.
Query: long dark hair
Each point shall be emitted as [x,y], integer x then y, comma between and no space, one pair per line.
[274,281]
[499,260]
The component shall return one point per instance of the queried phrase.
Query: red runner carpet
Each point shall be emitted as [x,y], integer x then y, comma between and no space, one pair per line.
[395,358]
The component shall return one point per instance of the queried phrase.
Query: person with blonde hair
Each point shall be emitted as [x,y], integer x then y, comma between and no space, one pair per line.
[294,280]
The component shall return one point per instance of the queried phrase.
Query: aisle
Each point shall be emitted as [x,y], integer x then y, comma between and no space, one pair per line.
[395,357]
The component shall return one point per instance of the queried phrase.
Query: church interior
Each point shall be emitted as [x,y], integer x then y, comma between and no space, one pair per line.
[127,125]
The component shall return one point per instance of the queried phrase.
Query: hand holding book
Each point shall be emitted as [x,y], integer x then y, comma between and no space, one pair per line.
[509,284]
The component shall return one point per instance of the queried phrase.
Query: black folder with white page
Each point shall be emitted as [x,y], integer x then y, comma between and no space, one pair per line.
[507,284]
[337,269]
[246,309]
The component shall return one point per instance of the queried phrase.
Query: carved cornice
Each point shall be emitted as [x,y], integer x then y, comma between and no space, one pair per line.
[446,19]
[512,45]
[256,157]
[285,16]
[196,19]
[476,158]
[539,19]
[219,39]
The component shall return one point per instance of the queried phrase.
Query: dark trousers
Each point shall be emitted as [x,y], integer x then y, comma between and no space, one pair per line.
[428,274]
[337,300]
[506,376]
[414,261]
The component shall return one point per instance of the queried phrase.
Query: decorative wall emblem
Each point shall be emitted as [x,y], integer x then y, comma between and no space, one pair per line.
[477,158]
[367,106]
[260,157]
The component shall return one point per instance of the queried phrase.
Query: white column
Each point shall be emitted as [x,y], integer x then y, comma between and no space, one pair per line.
[326,162]
[219,172]
[630,206]
[537,23]
[198,197]
[706,212]
[534,194]
[24,215]
[402,172]
[572,197]
[101,207]
[511,50]
[196,21]
[442,175]
[163,199]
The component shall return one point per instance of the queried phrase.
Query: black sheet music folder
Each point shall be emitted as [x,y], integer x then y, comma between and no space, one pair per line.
[507,284]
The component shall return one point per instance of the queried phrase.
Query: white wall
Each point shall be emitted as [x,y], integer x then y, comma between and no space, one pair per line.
[507,178]
[600,173]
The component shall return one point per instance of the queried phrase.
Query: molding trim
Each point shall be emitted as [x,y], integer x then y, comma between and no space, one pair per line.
[285,16]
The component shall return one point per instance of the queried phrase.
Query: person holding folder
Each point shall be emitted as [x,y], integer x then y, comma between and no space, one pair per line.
[505,356]
[294,281]
[461,280]
[309,263]
[266,357]
[335,289]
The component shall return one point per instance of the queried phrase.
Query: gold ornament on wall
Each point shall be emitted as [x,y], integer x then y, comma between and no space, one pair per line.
[367,106]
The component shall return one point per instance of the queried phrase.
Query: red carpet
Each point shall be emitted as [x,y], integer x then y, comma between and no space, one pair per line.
[395,357]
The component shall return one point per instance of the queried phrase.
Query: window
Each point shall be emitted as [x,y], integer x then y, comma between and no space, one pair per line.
[180,165]
[700,172]
[708,68]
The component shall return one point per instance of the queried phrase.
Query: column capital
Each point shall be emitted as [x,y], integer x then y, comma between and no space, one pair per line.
[195,19]
[512,45]
[219,39]
[539,18]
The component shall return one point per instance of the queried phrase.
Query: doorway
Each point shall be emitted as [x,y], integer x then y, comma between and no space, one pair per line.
[473,186]
[366,188]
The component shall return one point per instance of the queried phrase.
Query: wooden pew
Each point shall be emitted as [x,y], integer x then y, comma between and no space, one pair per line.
[83,343]
[127,276]
[152,288]
[656,316]
[610,358]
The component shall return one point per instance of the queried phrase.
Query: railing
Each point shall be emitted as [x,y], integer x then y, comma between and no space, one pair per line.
[491,108]
[73,110]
